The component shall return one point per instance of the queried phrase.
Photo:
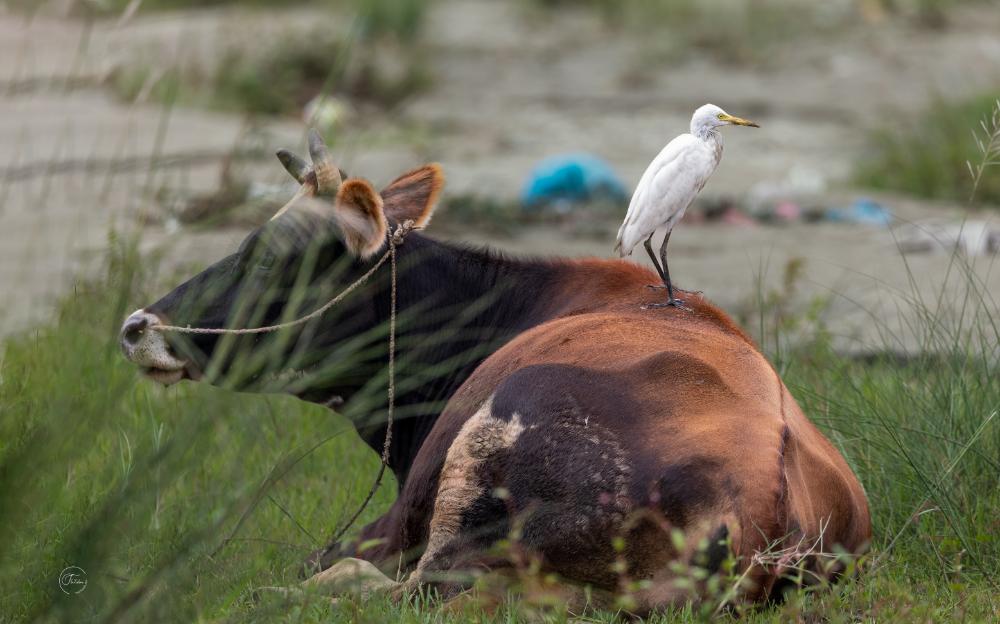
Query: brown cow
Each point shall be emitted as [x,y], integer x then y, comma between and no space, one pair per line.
[594,427]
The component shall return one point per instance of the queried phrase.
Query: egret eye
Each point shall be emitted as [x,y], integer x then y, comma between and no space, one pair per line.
[266,261]
[721,115]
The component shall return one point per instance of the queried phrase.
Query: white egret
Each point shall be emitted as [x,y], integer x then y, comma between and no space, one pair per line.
[670,184]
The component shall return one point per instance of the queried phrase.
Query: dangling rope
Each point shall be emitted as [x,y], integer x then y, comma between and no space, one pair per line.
[391,392]
[395,240]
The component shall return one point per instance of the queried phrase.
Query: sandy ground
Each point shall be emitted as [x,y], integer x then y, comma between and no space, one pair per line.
[509,90]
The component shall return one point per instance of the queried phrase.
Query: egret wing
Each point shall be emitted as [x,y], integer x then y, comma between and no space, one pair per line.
[666,189]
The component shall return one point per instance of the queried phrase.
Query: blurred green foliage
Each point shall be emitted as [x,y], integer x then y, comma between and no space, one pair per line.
[142,487]
[929,155]
[398,19]
[747,31]
[375,62]
[281,80]
[401,19]
[742,31]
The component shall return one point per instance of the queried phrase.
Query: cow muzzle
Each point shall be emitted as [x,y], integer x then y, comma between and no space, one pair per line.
[148,349]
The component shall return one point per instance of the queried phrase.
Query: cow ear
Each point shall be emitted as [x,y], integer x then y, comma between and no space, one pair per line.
[358,209]
[414,194]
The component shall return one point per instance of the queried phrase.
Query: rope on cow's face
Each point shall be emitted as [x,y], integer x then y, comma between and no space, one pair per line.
[395,240]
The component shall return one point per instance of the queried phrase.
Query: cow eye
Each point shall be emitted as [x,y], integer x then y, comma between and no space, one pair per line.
[266,261]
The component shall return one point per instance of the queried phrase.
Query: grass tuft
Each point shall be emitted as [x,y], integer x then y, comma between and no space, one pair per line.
[930,155]
[734,31]
[987,140]
[176,502]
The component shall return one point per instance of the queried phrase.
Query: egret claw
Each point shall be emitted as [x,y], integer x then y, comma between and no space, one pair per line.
[673,303]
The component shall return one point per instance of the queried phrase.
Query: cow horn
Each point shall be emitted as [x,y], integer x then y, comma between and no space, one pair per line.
[327,175]
[325,179]
[294,165]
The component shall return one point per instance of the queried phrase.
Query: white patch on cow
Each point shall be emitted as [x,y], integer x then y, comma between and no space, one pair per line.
[598,464]
[459,486]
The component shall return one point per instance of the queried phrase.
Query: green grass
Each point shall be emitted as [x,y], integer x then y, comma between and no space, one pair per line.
[396,17]
[279,80]
[374,63]
[745,31]
[379,19]
[732,31]
[929,155]
[166,5]
[139,485]
[102,8]
[180,503]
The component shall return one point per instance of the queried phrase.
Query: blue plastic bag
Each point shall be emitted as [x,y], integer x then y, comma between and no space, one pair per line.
[563,181]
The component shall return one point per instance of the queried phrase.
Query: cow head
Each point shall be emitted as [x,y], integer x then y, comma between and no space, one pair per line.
[323,239]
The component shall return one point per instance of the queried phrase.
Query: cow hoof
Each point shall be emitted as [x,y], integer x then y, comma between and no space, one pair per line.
[313,564]
[408,589]
[355,577]
[399,595]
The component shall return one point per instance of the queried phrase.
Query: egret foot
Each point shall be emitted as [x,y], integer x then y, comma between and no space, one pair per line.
[662,287]
[672,303]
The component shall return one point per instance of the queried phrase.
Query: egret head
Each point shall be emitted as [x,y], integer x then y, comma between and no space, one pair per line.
[710,116]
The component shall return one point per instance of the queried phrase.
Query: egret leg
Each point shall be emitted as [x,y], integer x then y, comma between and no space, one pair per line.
[652,256]
[665,274]
[666,271]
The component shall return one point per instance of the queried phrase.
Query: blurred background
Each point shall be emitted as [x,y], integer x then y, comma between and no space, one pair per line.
[160,118]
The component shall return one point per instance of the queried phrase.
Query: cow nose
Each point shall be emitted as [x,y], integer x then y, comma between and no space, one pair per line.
[135,335]
[132,329]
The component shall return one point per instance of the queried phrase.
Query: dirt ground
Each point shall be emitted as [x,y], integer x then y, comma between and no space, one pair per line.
[509,89]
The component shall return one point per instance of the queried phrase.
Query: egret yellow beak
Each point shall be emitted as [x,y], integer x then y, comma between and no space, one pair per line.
[738,121]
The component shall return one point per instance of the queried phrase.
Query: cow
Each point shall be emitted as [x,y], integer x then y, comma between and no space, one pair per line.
[539,401]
